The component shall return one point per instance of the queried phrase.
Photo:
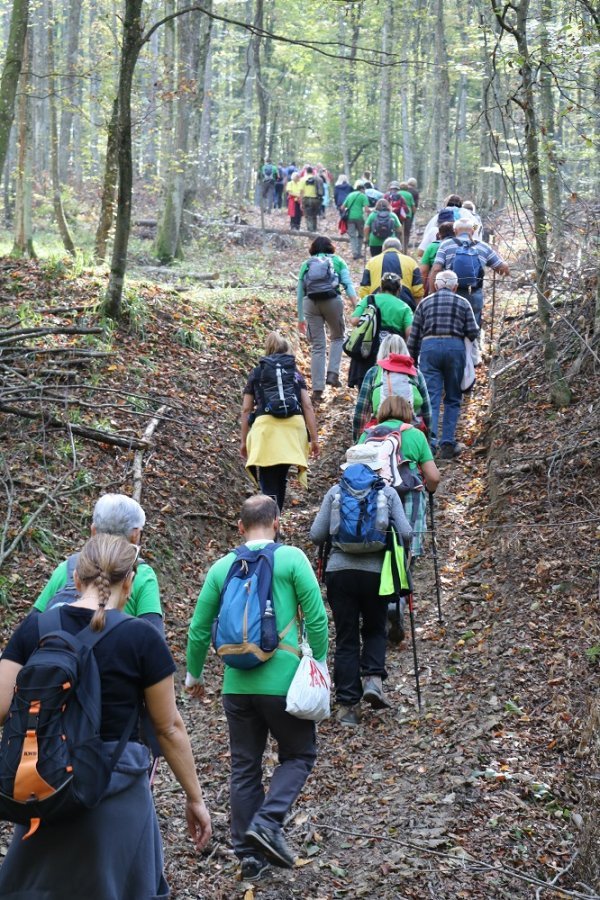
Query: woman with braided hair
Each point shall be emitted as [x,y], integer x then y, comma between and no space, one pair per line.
[113,850]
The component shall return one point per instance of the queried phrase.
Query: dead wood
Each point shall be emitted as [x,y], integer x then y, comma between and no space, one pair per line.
[139,455]
[93,434]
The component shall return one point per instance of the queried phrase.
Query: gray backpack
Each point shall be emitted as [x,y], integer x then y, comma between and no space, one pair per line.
[321,281]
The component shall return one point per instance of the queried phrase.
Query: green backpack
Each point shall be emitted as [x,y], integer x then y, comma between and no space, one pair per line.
[364,338]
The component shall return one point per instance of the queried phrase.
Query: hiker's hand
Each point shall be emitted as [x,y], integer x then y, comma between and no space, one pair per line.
[503,269]
[197,691]
[243,451]
[314,449]
[198,823]
[302,328]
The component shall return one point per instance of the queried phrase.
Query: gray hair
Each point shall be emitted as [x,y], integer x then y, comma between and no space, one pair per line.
[392,243]
[392,343]
[446,279]
[464,223]
[118,514]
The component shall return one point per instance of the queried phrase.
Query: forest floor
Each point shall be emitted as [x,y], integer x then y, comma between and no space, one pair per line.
[486,793]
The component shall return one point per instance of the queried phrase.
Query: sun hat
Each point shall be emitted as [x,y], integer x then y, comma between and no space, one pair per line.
[364,454]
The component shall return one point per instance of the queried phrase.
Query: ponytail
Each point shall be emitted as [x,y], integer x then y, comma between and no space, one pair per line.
[105,560]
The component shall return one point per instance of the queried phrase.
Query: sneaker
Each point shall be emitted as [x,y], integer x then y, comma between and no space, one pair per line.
[333,379]
[272,844]
[316,398]
[447,451]
[252,867]
[348,715]
[373,692]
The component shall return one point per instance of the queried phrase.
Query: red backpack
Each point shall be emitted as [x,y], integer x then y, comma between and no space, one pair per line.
[398,204]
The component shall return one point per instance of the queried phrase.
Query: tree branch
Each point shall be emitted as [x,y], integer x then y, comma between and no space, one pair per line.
[139,455]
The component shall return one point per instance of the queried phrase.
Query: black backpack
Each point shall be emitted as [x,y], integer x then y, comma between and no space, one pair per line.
[383,227]
[277,385]
[53,762]
[321,281]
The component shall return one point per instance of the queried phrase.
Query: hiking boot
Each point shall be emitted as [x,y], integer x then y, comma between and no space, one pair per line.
[252,867]
[348,715]
[316,398]
[373,692]
[272,844]
[447,451]
[333,379]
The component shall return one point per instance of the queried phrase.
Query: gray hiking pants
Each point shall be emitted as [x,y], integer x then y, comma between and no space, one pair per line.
[356,229]
[317,313]
[311,206]
[251,718]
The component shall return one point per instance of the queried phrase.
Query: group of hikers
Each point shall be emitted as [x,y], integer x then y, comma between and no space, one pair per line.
[415,328]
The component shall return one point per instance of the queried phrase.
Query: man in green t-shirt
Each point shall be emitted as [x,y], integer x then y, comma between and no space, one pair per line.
[445,230]
[120,515]
[356,203]
[254,699]
[408,221]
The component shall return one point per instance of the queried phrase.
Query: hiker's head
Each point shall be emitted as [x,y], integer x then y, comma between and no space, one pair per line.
[446,279]
[260,514]
[107,562]
[391,243]
[391,283]
[445,230]
[411,182]
[359,186]
[120,515]
[394,186]
[321,245]
[453,200]
[392,343]
[295,176]
[309,170]
[395,408]
[404,185]
[382,205]
[367,175]
[468,204]
[342,179]
[464,225]
[276,343]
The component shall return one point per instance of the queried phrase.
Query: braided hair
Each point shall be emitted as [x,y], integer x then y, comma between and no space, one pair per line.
[104,561]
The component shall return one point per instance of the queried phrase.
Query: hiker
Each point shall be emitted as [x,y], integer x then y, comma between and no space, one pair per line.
[341,190]
[408,221]
[120,515]
[396,200]
[445,230]
[113,849]
[294,201]
[276,414]
[441,323]
[468,210]
[319,304]
[392,260]
[468,259]
[352,578]
[373,195]
[356,203]
[394,373]
[448,213]
[395,413]
[412,187]
[267,177]
[325,177]
[381,224]
[254,699]
[312,190]
[280,185]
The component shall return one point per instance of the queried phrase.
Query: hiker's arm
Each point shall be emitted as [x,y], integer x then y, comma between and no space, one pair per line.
[436,267]
[319,530]
[502,269]
[205,612]
[417,289]
[426,407]
[310,600]
[397,515]
[363,411]
[175,747]
[366,232]
[346,281]
[247,407]
[365,283]
[8,676]
[311,422]
[300,298]
[358,311]
[431,475]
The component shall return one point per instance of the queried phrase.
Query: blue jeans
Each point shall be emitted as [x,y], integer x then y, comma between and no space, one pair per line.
[475,298]
[442,362]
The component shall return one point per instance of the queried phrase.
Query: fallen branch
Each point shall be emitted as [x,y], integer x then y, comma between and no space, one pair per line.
[93,434]
[290,233]
[42,332]
[161,270]
[139,454]
[31,519]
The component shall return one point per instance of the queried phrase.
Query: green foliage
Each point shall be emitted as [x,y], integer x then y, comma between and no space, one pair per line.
[593,653]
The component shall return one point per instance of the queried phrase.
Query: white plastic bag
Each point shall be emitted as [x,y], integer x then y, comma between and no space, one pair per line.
[468,378]
[308,694]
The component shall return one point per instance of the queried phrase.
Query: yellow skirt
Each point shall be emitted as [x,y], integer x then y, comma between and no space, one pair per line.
[278,442]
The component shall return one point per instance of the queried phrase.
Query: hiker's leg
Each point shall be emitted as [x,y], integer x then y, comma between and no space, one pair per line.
[454,364]
[374,620]
[273,482]
[344,602]
[406,227]
[315,331]
[475,299]
[375,251]
[297,751]
[247,740]
[431,350]
[355,233]
[333,313]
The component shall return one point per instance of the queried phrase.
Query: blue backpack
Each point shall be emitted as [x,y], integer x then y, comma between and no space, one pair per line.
[245,632]
[467,265]
[53,762]
[359,513]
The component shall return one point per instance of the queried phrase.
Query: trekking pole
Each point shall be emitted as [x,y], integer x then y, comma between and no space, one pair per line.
[411,614]
[438,589]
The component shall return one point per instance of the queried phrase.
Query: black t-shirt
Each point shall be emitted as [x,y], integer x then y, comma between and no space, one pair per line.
[253,387]
[130,658]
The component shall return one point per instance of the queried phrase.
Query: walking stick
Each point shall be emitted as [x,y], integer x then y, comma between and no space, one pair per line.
[414,638]
[435,560]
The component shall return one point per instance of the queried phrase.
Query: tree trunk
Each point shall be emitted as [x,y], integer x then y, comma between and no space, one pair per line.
[109,186]
[261,94]
[11,72]
[407,160]
[247,169]
[132,36]
[442,124]
[204,149]
[385,102]
[343,93]
[56,195]
[69,87]
[547,116]
[23,242]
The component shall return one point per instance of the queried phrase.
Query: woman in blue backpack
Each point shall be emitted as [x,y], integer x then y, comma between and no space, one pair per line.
[276,417]
[114,849]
